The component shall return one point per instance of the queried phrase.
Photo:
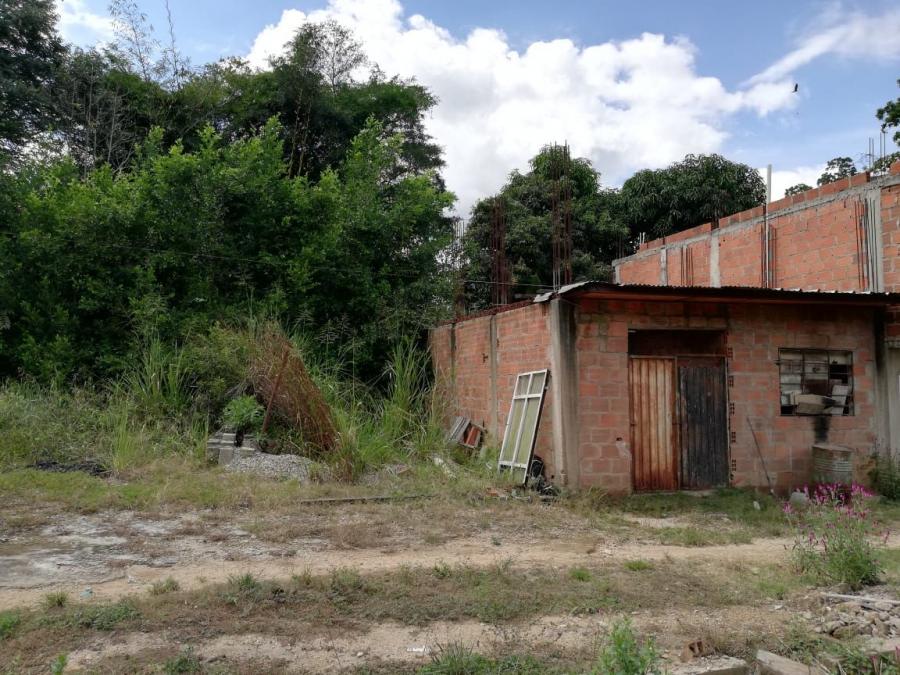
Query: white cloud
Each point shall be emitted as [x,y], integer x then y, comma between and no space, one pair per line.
[625,105]
[782,179]
[843,33]
[78,24]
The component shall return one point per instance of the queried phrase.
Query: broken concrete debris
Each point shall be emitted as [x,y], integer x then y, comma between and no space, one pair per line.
[768,663]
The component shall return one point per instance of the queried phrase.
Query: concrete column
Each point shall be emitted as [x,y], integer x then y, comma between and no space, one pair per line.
[715,279]
[889,406]
[664,266]
[564,388]
[494,412]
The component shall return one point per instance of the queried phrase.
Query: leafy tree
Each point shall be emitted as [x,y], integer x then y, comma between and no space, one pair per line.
[837,168]
[528,199]
[883,164]
[697,190]
[797,189]
[187,238]
[30,50]
[889,116]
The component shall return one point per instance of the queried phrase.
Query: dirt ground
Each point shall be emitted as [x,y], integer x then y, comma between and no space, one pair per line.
[107,556]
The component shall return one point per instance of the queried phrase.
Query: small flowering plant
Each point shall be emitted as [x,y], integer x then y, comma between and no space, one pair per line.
[836,535]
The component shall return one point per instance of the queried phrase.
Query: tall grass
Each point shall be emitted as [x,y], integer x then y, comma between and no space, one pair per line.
[158,384]
[162,407]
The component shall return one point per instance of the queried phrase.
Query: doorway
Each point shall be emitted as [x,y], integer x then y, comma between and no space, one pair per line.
[678,409]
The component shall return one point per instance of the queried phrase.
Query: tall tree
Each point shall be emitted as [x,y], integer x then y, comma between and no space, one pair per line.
[30,50]
[699,189]
[889,116]
[837,168]
[528,199]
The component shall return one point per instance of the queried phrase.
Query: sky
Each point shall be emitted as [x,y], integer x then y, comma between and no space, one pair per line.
[627,85]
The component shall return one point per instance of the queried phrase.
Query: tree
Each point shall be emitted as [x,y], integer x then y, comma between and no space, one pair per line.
[30,50]
[797,189]
[889,116]
[699,189]
[837,168]
[528,199]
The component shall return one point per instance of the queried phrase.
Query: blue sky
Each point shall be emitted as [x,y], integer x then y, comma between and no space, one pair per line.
[629,85]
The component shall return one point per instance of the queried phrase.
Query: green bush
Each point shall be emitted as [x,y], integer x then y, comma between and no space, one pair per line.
[243,413]
[623,654]
[834,536]
[886,476]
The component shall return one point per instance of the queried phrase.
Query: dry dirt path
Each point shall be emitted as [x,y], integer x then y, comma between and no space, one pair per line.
[391,642]
[18,588]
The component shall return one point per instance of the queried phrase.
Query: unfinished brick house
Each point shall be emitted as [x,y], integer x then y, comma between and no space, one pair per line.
[691,370]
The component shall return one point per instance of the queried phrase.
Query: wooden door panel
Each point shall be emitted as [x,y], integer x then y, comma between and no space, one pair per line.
[653,424]
[703,423]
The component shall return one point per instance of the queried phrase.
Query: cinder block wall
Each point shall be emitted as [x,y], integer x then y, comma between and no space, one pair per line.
[814,243]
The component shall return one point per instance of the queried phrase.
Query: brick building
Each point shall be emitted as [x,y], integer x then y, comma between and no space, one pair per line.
[691,372]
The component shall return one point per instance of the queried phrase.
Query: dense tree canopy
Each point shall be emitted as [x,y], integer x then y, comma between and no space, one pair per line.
[699,189]
[30,50]
[528,199]
[837,168]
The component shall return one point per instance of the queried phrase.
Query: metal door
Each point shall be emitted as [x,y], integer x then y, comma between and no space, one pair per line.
[703,422]
[653,438]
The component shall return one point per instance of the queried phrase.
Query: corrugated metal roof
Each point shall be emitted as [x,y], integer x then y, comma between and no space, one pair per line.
[792,295]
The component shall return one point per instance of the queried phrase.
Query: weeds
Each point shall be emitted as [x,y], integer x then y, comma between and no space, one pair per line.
[9,621]
[99,617]
[56,600]
[58,666]
[623,654]
[457,659]
[886,476]
[833,540]
[167,585]
[579,574]
[185,662]
[638,565]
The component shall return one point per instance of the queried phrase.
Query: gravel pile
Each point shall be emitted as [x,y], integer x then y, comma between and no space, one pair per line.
[273,466]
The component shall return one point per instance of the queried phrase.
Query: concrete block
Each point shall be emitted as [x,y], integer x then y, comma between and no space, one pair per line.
[768,663]
[711,665]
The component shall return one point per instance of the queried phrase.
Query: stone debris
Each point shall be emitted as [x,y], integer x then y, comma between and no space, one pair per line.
[844,618]
[272,466]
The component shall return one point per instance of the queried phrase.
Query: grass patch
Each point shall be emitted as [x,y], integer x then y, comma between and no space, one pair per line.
[103,617]
[56,600]
[185,662]
[638,565]
[167,585]
[456,659]
[9,621]
[700,536]
[580,574]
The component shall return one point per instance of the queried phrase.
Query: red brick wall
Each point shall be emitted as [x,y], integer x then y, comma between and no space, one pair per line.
[813,246]
[523,344]
[890,229]
[755,333]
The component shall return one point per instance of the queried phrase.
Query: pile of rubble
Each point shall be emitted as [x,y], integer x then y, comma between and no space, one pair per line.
[848,616]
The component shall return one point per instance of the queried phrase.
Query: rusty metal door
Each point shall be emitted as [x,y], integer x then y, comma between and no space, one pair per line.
[654,442]
[703,422]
